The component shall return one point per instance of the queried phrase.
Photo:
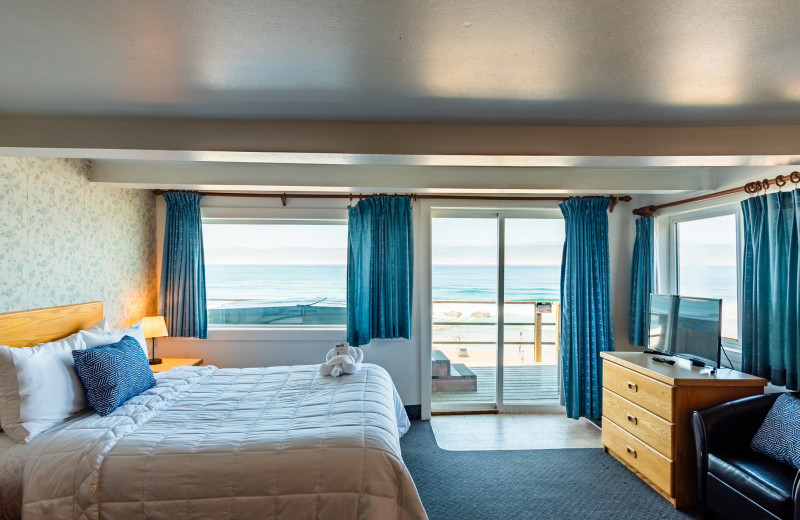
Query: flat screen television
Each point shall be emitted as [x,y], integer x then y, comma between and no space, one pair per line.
[686,327]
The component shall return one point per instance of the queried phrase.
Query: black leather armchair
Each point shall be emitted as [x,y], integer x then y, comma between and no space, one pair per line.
[734,481]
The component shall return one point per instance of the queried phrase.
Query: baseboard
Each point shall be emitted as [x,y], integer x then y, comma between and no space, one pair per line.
[414,412]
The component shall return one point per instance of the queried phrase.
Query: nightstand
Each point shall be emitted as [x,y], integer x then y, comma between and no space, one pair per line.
[169,363]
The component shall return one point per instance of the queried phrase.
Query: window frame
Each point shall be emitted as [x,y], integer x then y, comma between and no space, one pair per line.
[730,346]
[274,216]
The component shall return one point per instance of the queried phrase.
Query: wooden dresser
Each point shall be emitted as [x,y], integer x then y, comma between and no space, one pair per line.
[647,410]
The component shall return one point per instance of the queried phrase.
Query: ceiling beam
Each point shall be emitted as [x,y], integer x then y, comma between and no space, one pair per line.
[256,141]
[419,179]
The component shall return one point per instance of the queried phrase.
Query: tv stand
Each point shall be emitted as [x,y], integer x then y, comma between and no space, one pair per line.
[646,416]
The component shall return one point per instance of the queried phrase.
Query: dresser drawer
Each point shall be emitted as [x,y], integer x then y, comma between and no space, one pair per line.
[641,390]
[654,466]
[648,427]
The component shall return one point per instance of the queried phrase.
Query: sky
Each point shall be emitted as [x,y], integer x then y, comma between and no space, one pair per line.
[708,241]
[473,241]
[280,244]
[456,241]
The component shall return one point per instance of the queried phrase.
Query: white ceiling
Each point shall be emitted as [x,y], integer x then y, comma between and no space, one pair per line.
[185,70]
[519,61]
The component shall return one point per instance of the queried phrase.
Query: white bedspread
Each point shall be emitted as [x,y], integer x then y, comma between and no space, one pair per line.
[278,442]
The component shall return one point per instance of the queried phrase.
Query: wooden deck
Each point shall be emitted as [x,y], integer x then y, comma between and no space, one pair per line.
[521,385]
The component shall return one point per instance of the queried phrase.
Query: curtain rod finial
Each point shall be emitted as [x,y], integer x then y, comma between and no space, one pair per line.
[616,200]
[645,211]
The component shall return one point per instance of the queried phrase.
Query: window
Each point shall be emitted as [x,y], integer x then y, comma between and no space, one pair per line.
[706,264]
[274,273]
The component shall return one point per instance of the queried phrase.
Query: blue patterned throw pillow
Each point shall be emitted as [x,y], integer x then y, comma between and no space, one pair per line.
[779,435]
[113,373]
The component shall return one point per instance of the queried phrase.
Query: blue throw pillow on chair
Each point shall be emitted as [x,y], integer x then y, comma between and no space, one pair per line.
[113,373]
[779,435]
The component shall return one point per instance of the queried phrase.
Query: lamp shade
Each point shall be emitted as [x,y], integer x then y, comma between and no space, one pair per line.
[154,327]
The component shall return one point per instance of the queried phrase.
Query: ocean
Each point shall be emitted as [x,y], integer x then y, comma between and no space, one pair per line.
[278,284]
[325,285]
[293,284]
[290,284]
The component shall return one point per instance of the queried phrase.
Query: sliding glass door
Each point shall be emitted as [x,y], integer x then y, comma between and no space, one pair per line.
[464,286]
[495,290]
[532,276]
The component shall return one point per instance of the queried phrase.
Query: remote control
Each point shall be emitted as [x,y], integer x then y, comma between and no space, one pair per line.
[663,360]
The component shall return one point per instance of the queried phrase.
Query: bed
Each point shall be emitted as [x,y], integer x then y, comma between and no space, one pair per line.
[275,442]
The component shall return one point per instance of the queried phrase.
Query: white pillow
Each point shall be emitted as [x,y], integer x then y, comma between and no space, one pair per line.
[95,339]
[39,387]
[100,326]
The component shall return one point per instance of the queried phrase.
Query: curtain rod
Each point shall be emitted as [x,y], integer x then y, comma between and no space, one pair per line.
[284,196]
[751,188]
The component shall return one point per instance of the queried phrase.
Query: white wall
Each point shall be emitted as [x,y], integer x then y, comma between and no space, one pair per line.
[248,348]
[621,234]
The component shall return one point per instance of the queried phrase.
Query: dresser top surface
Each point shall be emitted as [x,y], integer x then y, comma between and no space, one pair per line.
[682,372]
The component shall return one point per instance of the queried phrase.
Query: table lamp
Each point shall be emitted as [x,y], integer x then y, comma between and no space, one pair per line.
[154,327]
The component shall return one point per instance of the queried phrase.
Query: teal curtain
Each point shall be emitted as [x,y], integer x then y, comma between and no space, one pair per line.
[643,281]
[183,276]
[380,268]
[586,328]
[770,279]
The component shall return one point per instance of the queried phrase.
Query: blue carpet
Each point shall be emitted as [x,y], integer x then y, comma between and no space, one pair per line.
[527,484]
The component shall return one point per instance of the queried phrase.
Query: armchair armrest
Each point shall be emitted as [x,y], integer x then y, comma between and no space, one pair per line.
[728,425]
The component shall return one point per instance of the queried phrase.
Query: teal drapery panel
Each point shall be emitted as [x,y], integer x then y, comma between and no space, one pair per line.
[183,275]
[586,328]
[380,269]
[770,279]
[643,281]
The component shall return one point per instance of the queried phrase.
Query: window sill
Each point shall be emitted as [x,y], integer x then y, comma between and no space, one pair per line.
[276,334]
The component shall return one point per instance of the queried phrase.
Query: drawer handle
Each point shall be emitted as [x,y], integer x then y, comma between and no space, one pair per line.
[631,451]
[633,419]
[632,386]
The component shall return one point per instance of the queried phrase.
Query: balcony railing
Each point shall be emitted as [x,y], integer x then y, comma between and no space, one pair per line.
[464,351]
[263,313]
[464,323]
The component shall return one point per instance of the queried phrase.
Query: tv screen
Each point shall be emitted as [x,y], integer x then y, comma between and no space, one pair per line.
[686,327]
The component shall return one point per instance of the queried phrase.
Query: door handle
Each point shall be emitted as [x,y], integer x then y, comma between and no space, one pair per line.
[631,451]
[633,419]
[632,386]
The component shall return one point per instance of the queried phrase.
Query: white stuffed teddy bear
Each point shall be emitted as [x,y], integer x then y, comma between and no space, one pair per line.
[342,359]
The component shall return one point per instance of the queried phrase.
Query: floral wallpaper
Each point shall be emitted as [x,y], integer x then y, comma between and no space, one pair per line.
[65,240]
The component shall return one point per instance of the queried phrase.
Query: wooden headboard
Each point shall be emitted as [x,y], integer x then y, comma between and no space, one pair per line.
[31,327]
